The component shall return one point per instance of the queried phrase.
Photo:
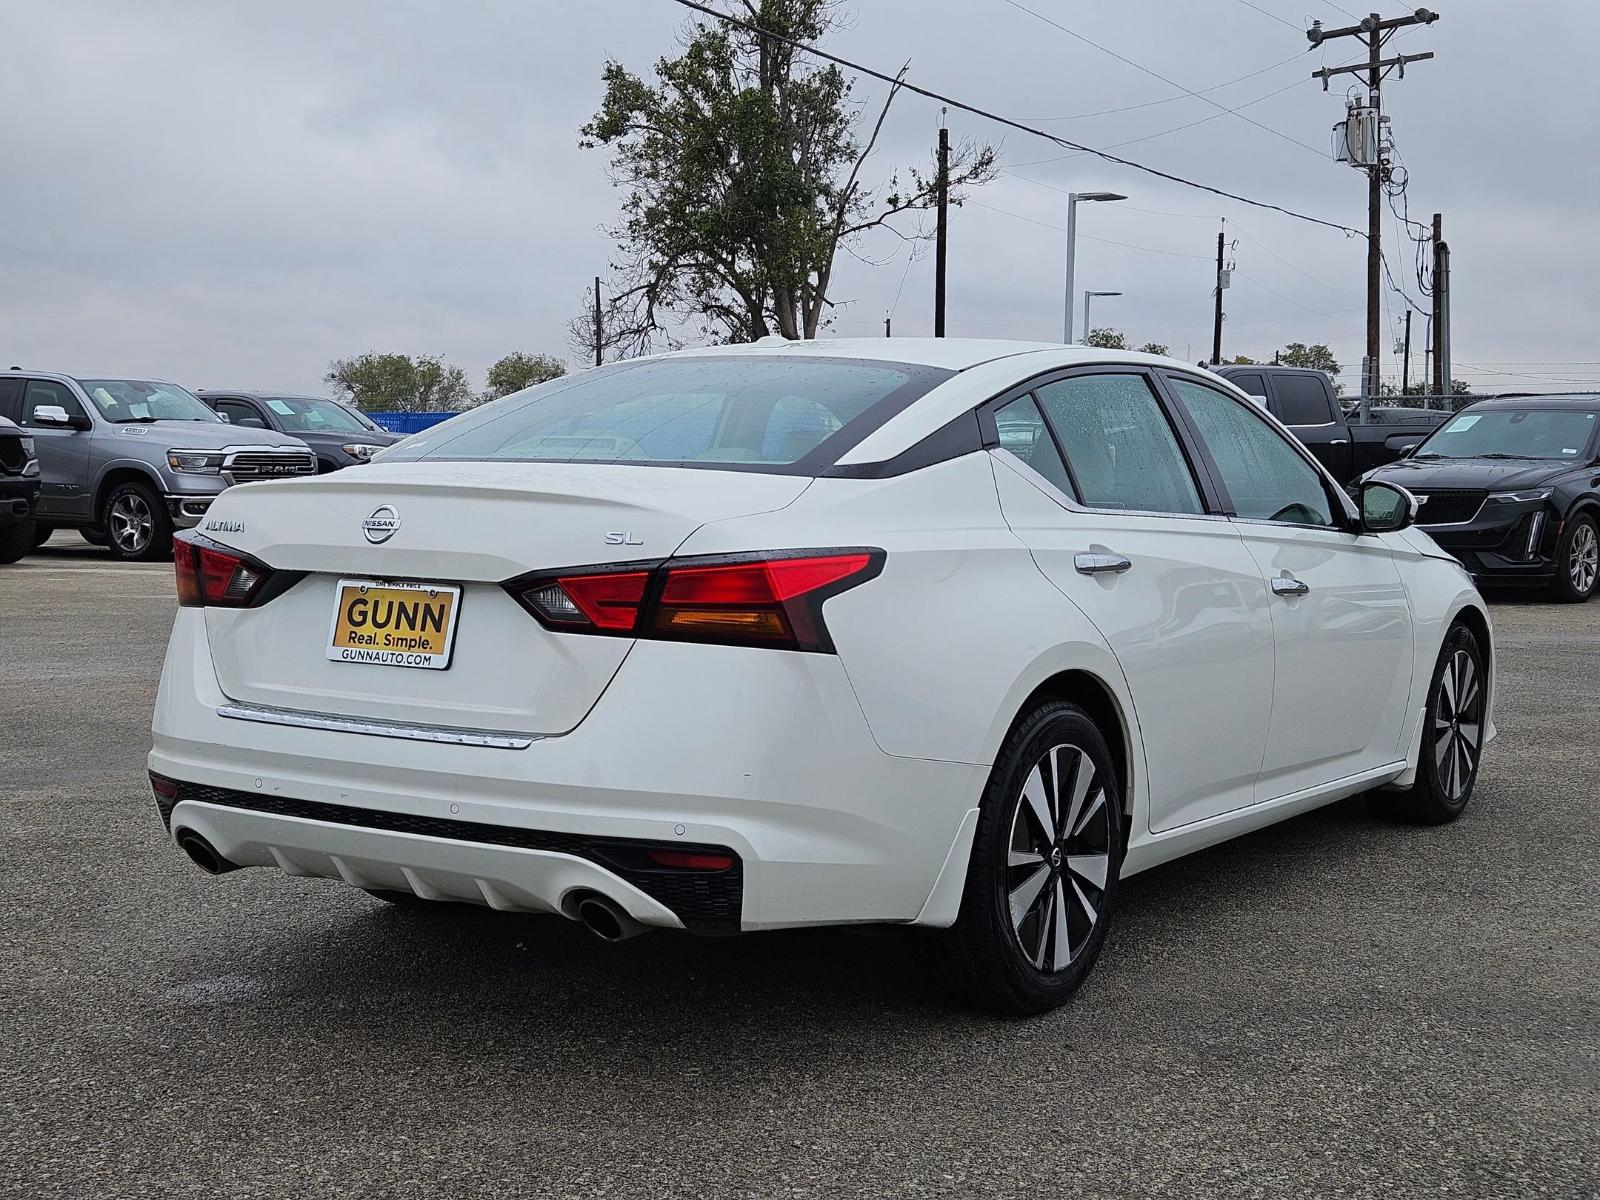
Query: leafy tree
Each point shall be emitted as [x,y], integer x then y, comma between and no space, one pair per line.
[1156,348]
[518,370]
[744,178]
[1106,339]
[1242,360]
[1318,357]
[400,383]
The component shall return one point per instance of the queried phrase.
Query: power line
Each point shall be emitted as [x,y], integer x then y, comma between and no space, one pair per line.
[1175,129]
[1004,212]
[1009,122]
[1216,87]
[1274,254]
[1054,24]
[1273,15]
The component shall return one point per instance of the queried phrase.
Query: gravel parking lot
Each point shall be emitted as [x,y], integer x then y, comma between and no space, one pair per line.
[1338,1006]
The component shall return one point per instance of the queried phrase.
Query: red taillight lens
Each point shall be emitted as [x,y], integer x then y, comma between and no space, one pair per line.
[209,575]
[742,600]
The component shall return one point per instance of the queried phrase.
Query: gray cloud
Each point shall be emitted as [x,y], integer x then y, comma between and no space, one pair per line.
[240,193]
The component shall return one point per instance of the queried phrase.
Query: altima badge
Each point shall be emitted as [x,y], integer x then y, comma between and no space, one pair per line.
[382,524]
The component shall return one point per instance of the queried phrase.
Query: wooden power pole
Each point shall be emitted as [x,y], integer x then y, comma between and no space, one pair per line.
[943,185]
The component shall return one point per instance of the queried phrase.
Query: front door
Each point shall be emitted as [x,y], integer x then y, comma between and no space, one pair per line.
[63,453]
[1340,617]
[1120,527]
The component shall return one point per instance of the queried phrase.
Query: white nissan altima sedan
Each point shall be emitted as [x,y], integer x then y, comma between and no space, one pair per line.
[942,633]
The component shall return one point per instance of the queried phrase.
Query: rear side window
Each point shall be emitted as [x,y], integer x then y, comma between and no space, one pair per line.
[1250,383]
[1265,476]
[1023,432]
[1302,400]
[10,398]
[1122,452]
[779,413]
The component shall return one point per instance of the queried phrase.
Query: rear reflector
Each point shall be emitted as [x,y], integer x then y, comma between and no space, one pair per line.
[211,575]
[163,787]
[690,860]
[773,599]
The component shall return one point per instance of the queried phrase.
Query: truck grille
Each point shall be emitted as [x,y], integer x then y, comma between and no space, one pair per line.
[247,466]
[1449,506]
[12,460]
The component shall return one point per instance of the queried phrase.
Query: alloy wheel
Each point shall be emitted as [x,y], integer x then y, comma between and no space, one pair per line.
[1458,724]
[131,523]
[1058,857]
[1583,560]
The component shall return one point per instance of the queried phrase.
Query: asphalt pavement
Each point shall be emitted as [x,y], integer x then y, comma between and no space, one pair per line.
[1338,1006]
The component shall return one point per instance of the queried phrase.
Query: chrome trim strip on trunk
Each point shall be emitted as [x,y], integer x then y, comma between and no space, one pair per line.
[373,727]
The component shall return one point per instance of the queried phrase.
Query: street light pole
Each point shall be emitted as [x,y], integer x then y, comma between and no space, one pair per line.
[1087,296]
[1068,294]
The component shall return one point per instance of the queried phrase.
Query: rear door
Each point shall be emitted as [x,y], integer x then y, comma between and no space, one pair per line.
[1340,618]
[1120,526]
[63,453]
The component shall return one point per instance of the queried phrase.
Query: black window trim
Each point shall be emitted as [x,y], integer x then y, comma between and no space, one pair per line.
[1189,445]
[1346,519]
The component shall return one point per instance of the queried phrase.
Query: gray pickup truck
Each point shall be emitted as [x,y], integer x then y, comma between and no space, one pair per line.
[127,461]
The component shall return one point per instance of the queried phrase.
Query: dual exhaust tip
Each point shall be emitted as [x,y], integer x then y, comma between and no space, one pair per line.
[601,916]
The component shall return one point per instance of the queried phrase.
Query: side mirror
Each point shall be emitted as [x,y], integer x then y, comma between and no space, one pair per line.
[250,423]
[1409,449]
[1386,508]
[54,414]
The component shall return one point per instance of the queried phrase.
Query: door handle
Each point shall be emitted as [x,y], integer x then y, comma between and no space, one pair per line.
[1287,585]
[1338,441]
[1100,564]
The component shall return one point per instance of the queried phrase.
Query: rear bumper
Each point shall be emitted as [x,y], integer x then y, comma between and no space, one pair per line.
[764,753]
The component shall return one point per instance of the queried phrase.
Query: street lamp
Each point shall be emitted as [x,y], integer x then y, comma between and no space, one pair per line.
[1072,248]
[1087,296]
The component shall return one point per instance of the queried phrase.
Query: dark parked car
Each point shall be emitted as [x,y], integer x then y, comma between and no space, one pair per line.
[19,491]
[1305,401]
[1511,487]
[340,435]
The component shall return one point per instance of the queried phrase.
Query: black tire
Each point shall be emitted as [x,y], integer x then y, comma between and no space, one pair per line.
[1577,561]
[41,533]
[17,540]
[1021,967]
[1452,739]
[136,523]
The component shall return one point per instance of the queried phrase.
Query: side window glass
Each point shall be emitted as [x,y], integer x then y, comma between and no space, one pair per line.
[44,392]
[1023,432]
[1122,451]
[1264,474]
[1251,384]
[10,398]
[1304,401]
[235,411]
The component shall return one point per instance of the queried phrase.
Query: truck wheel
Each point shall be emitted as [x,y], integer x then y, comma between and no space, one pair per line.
[16,540]
[136,523]
[1577,561]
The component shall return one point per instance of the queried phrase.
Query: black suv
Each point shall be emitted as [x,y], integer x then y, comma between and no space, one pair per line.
[1511,487]
[340,435]
[19,491]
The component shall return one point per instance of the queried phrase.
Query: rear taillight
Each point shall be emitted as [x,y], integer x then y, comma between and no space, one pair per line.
[772,599]
[212,576]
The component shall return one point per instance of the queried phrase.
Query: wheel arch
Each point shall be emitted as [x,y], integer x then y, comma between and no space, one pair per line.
[1091,692]
[116,474]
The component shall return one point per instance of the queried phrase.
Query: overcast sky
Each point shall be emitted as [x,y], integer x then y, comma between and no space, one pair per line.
[234,194]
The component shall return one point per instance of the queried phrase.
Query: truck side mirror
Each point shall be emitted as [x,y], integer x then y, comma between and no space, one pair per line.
[1386,508]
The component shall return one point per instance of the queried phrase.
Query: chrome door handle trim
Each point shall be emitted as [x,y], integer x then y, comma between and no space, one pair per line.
[1100,564]
[1285,585]
[1338,441]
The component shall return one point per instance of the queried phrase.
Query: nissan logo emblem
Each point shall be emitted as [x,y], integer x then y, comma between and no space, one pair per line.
[381,525]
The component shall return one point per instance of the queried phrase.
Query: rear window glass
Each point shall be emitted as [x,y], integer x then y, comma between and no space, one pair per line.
[734,412]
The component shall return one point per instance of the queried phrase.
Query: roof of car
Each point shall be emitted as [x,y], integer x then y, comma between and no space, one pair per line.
[1564,400]
[259,394]
[954,354]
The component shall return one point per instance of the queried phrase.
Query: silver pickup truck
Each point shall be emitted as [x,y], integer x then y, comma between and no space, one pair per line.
[127,461]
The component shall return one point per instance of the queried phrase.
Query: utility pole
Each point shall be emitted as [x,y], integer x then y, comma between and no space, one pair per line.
[1364,148]
[943,185]
[1405,361]
[888,325]
[599,327]
[1442,383]
[1216,320]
